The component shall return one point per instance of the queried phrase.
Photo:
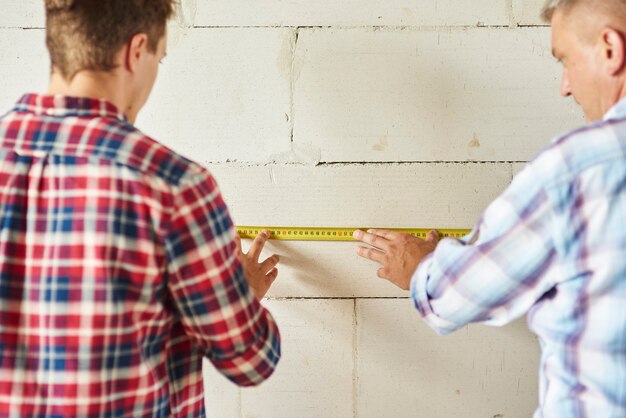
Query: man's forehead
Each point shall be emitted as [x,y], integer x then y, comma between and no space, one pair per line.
[558,30]
[556,43]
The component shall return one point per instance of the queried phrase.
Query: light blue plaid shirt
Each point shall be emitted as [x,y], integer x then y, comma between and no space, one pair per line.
[552,246]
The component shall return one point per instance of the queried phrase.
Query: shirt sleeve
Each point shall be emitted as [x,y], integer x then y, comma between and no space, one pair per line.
[207,284]
[495,274]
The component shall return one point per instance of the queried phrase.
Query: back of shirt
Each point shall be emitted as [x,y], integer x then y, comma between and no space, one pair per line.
[118,271]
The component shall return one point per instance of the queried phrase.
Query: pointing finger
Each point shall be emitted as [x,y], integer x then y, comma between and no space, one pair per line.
[384,233]
[257,245]
[374,240]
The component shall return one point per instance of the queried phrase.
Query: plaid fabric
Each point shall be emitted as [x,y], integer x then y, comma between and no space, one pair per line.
[553,246]
[118,271]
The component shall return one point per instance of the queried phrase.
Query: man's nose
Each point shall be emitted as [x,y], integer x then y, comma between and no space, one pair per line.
[566,89]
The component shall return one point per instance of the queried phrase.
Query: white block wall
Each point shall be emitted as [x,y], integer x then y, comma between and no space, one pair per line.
[385,113]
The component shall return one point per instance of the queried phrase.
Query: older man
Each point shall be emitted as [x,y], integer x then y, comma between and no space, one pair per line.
[553,245]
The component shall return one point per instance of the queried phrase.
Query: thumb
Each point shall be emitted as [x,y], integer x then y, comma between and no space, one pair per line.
[432,237]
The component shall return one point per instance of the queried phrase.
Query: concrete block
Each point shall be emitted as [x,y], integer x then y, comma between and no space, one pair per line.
[528,12]
[31,13]
[25,65]
[485,94]
[517,167]
[374,195]
[22,14]
[222,399]
[405,370]
[351,13]
[315,375]
[223,94]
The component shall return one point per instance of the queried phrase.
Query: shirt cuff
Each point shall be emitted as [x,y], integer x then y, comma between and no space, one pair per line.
[257,363]
[421,299]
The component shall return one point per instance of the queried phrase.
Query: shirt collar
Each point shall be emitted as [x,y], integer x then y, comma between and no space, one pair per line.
[62,106]
[618,111]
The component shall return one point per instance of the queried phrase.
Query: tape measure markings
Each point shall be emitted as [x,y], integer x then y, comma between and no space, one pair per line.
[289,233]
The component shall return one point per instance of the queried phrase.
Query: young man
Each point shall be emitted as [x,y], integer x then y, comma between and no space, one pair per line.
[119,268]
[553,245]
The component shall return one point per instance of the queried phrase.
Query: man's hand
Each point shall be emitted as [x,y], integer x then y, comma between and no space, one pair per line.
[399,253]
[260,276]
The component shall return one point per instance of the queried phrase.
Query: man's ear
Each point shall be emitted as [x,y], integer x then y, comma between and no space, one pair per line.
[136,47]
[613,53]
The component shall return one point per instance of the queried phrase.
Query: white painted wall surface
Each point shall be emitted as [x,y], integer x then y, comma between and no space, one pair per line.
[395,113]
[528,12]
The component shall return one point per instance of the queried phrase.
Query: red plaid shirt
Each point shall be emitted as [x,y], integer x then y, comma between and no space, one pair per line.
[118,271]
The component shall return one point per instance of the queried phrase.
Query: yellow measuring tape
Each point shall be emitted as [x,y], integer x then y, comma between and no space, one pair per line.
[292,233]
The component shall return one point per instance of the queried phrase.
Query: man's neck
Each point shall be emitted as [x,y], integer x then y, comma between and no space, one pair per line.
[92,84]
[621,92]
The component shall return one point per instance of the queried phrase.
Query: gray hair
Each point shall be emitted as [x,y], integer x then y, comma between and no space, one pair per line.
[552,5]
[610,6]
